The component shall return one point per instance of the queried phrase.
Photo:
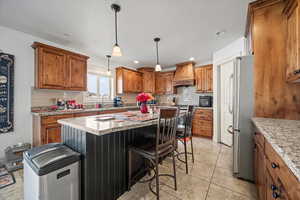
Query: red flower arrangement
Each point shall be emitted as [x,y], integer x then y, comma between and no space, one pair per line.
[142,98]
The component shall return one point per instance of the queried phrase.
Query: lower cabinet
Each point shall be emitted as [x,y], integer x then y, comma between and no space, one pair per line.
[51,133]
[46,129]
[273,178]
[203,123]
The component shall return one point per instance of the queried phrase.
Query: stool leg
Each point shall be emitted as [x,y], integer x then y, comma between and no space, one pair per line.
[157,178]
[129,169]
[192,149]
[186,159]
[174,171]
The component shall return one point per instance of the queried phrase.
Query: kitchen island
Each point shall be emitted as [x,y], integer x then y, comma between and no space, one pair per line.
[103,141]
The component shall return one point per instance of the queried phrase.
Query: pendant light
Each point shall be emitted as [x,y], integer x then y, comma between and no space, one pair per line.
[157,67]
[108,63]
[116,49]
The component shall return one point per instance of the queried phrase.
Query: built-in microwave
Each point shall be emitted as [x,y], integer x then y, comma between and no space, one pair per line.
[205,101]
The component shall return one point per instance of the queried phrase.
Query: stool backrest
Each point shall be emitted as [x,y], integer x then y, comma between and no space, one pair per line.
[188,121]
[166,128]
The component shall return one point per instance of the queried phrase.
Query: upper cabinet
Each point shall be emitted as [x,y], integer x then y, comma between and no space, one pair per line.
[148,75]
[292,14]
[59,69]
[204,78]
[128,81]
[164,83]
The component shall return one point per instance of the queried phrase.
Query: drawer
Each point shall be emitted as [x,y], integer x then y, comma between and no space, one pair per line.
[53,119]
[259,139]
[278,169]
[202,123]
[85,114]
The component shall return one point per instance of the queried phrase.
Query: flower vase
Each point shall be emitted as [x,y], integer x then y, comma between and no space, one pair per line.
[143,107]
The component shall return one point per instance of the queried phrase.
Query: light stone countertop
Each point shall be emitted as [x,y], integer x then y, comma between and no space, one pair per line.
[120,123]
[72,111]
[284,136]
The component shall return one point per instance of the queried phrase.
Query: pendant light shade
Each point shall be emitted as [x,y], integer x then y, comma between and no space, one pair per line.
[116,48]
[157,66]
[116,51]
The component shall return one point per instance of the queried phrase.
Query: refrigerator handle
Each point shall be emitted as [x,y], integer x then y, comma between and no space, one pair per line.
[230,129]
[230,95]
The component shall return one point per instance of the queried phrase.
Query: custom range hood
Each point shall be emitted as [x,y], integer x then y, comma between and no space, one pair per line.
[184,75]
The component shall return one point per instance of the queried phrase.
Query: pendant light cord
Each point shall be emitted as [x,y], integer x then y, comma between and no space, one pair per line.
[157,58]
[116,27]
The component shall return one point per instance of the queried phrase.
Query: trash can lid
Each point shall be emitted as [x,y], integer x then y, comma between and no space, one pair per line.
[50,157]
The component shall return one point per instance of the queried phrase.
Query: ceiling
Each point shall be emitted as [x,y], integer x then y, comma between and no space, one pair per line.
[187,27]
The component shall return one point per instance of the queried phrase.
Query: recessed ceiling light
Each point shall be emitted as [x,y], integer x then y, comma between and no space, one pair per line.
[136,62]
[192,58]
[220,33]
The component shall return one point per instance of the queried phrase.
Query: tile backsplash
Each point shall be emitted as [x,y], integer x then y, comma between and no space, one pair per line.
[43,97]
[184,96]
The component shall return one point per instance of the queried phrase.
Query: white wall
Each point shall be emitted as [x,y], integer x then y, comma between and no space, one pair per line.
[235,49]
[19,45]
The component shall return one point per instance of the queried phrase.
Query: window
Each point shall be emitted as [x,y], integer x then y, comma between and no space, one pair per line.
[99,87]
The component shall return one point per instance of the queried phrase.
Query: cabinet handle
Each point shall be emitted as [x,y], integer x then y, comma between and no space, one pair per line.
[275,195]
[274,165]
[273,187]
[296,71]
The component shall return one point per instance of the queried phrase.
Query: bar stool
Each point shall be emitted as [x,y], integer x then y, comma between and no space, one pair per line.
[184,134]
[163,146]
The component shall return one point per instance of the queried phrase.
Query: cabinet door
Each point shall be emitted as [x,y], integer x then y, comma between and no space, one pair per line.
[200,79]
[293,40]
[51,133]
[209,79]
[127,81]
[138,82]
[51,71]
[160,83]
[77,73]
[169,84]
[259,171]
[148,81]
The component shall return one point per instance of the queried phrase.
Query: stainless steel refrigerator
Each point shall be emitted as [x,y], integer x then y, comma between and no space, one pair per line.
[243,107]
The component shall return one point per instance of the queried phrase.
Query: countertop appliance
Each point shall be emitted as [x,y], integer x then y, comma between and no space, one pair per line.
[118,102]
[51,172]
[242,108]
[205,101]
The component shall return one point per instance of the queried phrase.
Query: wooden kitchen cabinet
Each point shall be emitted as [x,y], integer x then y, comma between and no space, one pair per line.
[273,178]
[202,124]
[260,166]
[148,79]
[128,81]
[51,133]
[164,83]
[59,69]
[292,14]
[204,78]
[76,73]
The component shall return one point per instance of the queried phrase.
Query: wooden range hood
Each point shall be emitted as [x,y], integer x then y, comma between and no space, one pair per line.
[184,75]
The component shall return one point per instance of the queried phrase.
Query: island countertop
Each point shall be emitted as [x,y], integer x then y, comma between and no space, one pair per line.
[284,136]
[120,122]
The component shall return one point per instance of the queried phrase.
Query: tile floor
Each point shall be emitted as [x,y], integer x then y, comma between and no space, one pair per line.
[210,178]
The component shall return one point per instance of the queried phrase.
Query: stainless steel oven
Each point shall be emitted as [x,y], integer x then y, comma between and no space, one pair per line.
[205,101]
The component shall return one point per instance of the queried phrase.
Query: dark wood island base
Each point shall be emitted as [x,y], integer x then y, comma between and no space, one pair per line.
[104,164]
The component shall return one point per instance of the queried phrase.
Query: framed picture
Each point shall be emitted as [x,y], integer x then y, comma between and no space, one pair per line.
[6,180]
